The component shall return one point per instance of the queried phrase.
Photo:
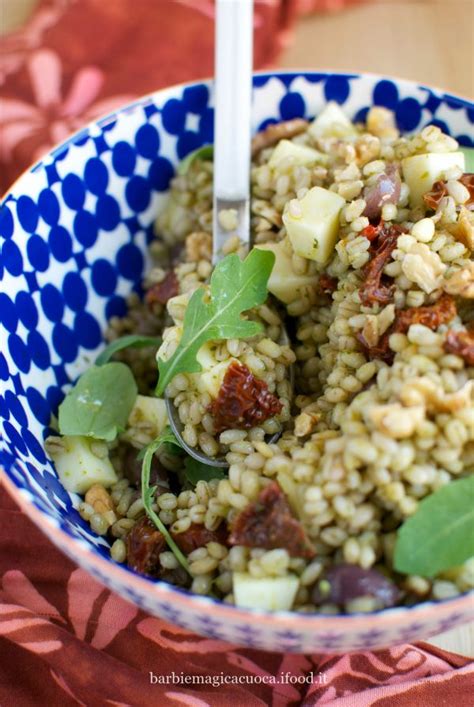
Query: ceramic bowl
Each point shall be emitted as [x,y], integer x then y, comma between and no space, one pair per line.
[73,236]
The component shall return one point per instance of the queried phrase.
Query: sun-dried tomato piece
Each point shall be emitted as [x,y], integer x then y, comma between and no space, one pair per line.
[269,523]
[327,284]
[197,535]
[144,545]
[371,232]
[438,191]
[373,288]
[243,400]
[461,343]
[275,132]
[468,181]
[431,316]
[163,291]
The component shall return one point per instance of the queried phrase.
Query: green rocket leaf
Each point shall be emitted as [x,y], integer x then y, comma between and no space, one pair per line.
[440,535]
[236,286]
[100,403]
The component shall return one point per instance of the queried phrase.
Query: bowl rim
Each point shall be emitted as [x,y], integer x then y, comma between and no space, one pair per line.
[208,80]
[162,590]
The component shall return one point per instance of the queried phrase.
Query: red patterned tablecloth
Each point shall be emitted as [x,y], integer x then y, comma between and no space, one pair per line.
[64,638]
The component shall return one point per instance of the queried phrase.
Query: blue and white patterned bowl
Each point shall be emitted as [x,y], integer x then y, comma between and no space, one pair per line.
[73,237]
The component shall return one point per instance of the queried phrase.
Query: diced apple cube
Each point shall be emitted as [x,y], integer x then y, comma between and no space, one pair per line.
[284,283]
[270,593]
[151,410]
[298,154]
[420,172]
[209,381]
[77,466]
[313,231]
[332,122]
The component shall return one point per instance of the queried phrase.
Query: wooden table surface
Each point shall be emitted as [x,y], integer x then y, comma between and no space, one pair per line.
[429,41]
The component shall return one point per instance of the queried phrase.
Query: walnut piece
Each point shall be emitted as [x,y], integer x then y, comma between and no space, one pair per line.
[198,246]
[423,267]
[462,282]
[423,391]
[396,421]
[463,229]
[276,132]
[305,423]
[381,122]
[99,499]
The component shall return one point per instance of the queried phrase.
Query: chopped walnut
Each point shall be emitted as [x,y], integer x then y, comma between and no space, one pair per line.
[99,499]
[423,391]
[396,421]
[305,423]
[462,282]
[381,122]
[198,246]
[367,149]
[370,331]
[423,267]
[276,132]
[463,229]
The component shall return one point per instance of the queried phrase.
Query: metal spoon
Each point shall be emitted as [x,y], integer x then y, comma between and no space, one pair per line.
[232,143]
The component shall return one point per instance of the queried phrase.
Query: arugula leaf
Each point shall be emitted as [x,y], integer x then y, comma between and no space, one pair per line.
[124,342]
[196,471]
[469,157]
[100,403]
[236,286]
[148,492]
[166,437]
[206,152]
[440,535]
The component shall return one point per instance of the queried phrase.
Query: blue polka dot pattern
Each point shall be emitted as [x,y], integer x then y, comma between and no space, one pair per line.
[6,222]
[38,253]
[124,158]
[104,277]
[137,193]
[147,141]
[48,206]
[160,173]
[86,228]
[292,105]
[107,212]
[74,291]
[27,310]
[337,88]
[72,236]
[27,212]
[96,176]
[386,94]
[60,243]
[12,258]
[8,313]
[73,191]
[52,303]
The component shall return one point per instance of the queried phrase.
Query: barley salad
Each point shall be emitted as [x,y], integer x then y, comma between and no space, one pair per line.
[363,243]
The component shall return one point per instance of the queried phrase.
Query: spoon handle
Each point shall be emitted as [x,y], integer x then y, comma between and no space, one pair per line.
[232,122]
